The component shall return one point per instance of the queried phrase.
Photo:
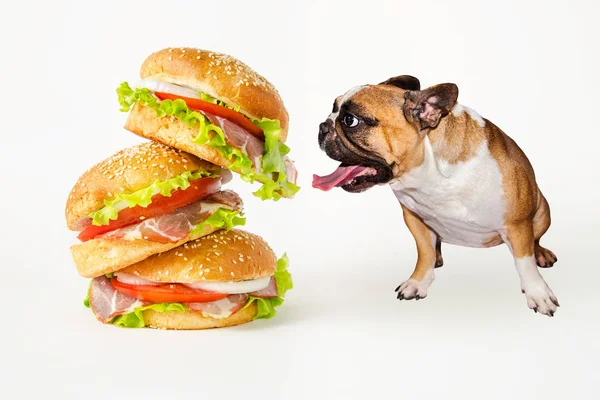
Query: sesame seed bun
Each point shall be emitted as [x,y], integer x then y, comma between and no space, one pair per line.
[220,76]
[97,257]
[195,320]
[127,171]
[225,256]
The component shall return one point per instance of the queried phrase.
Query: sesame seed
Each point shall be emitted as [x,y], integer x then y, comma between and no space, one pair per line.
[170,58]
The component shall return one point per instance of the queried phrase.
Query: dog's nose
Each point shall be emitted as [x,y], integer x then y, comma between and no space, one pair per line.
[323,128]
[323,132]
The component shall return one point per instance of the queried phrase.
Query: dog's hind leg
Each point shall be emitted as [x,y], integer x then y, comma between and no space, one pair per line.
[521,240]
[541,222]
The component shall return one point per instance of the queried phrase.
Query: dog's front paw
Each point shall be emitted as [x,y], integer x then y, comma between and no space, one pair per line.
[413,289]
[540,298]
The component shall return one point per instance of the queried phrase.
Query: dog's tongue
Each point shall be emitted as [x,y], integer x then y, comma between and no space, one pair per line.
[339,177]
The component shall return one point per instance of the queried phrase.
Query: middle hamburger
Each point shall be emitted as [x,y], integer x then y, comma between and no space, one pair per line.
[144,200]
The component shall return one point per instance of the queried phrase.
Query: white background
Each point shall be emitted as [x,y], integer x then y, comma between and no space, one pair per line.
[529,66]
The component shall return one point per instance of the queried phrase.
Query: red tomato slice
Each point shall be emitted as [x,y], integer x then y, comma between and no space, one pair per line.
[160,205]
[217,110]
[168,293]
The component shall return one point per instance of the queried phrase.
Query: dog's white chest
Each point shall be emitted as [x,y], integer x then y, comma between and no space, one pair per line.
[463,202]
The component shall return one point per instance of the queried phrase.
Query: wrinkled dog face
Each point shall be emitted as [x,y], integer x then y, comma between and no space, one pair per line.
[373,130]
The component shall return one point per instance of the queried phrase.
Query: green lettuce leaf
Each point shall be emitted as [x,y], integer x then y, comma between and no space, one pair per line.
[86,301]
[221,219]
[143,197]
[266,307]
[275,149]
[135,319]
[273,176]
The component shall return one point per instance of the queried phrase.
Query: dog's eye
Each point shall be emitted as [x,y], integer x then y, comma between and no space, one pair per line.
[350,120]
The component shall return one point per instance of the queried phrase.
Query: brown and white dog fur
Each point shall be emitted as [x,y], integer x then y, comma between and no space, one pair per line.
[457,176]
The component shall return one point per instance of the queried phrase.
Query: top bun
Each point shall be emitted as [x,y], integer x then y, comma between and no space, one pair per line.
[220,76]
[223,256]
[127,171]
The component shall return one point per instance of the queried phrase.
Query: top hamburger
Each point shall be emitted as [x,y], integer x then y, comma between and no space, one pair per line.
[217,108]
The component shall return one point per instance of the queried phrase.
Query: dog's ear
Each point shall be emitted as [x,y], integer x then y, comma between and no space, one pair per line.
[428,106]
[405,82]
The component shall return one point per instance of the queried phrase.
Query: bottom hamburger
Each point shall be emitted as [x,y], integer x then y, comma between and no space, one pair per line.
[225,278]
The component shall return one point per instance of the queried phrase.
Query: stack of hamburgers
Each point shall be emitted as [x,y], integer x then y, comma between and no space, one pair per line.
[156,226]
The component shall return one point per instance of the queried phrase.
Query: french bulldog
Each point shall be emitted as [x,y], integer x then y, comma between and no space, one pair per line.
[458,177]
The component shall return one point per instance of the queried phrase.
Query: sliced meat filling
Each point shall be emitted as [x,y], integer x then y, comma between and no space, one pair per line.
[177,225]
[221,308]
[107,303]
[241,139]
[268,292]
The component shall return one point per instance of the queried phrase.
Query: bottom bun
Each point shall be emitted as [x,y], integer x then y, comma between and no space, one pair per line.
[97,257]
[194,320]
[168,130]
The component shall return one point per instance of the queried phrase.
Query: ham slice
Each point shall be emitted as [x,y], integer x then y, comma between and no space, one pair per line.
[241,139]
[107,303]
[221,308]
[177,225]
[268,292]
[290,171]
[227,198]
